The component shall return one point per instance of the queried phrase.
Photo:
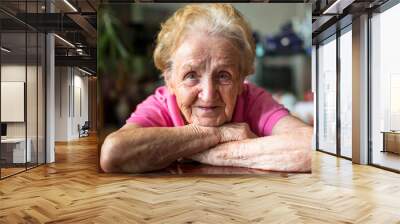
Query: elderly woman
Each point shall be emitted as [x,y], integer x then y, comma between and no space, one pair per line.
[207,111]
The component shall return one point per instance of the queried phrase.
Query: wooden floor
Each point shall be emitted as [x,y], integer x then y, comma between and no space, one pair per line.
[10,171]
[71,191]
[387,159]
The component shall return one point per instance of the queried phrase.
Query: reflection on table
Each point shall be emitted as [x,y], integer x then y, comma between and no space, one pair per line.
[193,168]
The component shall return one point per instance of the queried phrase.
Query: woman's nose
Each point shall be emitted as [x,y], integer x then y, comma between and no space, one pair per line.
[208,91]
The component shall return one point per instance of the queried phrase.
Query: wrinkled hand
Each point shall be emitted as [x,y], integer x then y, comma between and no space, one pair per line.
[239,147]
[232,154]
[216,156]
[235,132]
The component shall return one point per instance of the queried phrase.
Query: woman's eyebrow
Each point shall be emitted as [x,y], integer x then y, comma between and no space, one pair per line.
[226,64]
[226,60]
[190,66]
[186,67]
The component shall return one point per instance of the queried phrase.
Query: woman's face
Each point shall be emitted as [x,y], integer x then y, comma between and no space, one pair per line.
[205,79]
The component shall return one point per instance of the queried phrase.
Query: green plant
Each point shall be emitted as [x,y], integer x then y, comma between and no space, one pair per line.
[111,51]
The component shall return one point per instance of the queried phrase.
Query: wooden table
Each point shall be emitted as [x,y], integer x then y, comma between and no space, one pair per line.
[391,141]
[193,168]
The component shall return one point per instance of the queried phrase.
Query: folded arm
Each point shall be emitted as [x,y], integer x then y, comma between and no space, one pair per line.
[287,149]
[135,149]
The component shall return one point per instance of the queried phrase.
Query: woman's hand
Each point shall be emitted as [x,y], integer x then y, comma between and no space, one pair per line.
[256,156]
[232,133]
[235,132]
[288,150]
[135,149]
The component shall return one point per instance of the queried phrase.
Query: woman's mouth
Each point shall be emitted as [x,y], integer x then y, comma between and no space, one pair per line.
[207,108]
[208,111]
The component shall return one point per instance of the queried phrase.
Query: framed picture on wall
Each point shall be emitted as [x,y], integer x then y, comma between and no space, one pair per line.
[12,101]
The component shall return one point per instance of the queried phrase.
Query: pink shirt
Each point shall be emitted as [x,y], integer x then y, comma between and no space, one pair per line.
[254,106]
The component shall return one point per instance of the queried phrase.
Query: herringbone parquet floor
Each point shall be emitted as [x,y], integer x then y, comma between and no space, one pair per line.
[72,191]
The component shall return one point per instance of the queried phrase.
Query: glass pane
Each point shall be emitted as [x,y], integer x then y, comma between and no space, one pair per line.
[41,99]
[346,94]
[32,73]
[386,89]
[31,97]
[327,96]
[13,87]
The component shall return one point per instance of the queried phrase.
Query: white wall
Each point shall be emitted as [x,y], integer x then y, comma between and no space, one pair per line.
[61,103]
[71,93]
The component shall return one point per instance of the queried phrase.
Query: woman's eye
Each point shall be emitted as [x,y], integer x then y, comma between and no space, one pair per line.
[190,78]
[224,76]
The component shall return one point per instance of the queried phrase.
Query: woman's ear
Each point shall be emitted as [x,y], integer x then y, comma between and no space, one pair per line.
[168,81]
[241,87]
[241,84]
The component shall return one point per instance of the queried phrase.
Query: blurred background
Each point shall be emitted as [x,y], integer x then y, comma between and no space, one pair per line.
[48,66]
[126,35]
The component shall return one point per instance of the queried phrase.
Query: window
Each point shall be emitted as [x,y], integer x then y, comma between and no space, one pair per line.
[327,95]
[385,89]
[346,92]
[22,77]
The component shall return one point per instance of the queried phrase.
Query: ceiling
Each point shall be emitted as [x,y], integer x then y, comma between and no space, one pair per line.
[76,22]
[73,20]
[327,13]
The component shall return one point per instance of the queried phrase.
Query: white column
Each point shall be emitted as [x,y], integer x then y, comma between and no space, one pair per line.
[360,90]
[50,93]
[314,91]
